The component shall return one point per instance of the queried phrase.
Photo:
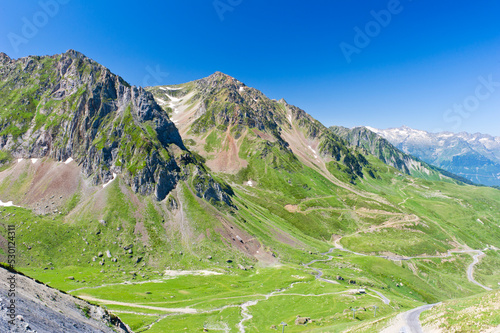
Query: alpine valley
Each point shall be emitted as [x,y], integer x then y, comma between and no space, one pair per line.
[207,206]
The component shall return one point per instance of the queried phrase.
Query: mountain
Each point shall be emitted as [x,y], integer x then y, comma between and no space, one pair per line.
[472,156]
[379,147]
[209,206]
[225,112]
[68,106]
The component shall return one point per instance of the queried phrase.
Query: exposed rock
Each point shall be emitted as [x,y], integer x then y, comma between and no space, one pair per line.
[302,320]
[45,309]
[109,127]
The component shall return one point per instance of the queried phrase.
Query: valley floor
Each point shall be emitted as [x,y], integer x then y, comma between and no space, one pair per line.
[257,300]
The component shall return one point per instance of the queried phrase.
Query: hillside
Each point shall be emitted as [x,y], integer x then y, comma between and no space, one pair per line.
[43,309]
[479,313]
[473,156]
[207,204]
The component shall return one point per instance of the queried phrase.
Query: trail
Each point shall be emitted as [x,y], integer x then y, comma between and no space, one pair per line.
[330,258]
[470,269]
[319,271]
[133,305]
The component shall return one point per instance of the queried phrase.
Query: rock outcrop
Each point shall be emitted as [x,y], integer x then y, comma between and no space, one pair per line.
[39,308]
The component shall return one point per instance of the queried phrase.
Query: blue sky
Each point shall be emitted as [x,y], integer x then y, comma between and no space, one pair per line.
[432,65]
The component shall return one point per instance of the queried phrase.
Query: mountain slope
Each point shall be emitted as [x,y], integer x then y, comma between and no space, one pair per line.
[220,110]
[473,156]
[319,183]
[44,309]
[68,106]
[387,153]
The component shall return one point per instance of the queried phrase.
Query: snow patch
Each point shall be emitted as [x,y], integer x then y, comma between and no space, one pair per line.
[19,160]
[114,176]
[161,101]
[249,183]
[7,204]
[290,118]
[374,130]
[170,88]
[242,89]
[172,273]
[312,149]
[69,160]
[174,99]
[34,160]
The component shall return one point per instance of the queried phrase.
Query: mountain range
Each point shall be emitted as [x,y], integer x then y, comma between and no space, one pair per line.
[200,205]
[475,157]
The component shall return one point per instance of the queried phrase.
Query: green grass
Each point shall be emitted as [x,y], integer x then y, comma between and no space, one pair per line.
[477,313]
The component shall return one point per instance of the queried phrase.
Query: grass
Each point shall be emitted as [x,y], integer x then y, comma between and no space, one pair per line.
[478,313]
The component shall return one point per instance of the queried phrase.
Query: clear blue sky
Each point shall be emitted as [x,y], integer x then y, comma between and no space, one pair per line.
[415,67]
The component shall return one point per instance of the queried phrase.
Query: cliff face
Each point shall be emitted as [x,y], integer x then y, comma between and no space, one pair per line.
[70,106]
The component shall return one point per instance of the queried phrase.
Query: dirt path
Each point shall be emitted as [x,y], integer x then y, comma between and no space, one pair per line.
[470,269]
[132,305]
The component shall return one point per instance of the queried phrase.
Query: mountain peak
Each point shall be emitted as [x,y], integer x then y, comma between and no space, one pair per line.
[220,75]
[75,54]
[4,57]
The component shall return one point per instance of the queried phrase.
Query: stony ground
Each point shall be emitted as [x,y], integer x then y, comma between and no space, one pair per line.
[41,309]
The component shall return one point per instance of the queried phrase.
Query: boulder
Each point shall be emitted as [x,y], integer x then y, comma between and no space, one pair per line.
[302,320]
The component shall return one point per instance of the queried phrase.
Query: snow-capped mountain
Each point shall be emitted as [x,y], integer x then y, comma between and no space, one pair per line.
[472,156]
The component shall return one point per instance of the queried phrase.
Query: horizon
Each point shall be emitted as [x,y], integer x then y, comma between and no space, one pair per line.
[348,65]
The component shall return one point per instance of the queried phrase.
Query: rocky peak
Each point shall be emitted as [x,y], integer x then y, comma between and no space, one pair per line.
[70,106]
[4,58]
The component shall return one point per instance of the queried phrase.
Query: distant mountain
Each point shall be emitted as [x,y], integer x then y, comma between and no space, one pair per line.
[381,148]
[472,156]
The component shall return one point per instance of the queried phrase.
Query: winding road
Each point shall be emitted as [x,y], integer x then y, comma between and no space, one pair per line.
[408,322]
[470,269]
